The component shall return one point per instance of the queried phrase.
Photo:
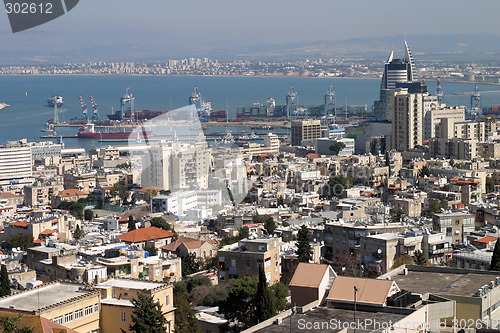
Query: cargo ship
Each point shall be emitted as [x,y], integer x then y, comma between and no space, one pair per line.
[203,108]
[88,131]
[55,100]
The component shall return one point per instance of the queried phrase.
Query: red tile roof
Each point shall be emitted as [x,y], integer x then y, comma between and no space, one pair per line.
[312,155]
[145,234]
[123,219]
[38,241]
[48,232]
[8,195]
[486,240]
[70,193]
[108,188]
[19,224]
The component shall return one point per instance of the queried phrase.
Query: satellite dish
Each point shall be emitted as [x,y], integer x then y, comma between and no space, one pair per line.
[379,251]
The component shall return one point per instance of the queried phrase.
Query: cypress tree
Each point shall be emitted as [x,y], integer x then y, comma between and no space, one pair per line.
[495,259]
[4,282]
[147,316]
[131,223]
[264,304]
[303,245]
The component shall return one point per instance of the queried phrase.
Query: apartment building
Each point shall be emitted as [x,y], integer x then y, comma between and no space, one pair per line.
[245,257]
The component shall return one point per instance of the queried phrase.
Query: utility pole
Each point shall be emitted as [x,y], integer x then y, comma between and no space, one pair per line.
[356,289]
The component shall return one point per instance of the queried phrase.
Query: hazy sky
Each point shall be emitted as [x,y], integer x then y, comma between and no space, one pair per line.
[271,21]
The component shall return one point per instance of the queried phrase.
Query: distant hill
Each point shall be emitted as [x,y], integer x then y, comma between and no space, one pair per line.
[48,47]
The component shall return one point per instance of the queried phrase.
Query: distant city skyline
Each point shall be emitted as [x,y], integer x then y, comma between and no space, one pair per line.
[156,28]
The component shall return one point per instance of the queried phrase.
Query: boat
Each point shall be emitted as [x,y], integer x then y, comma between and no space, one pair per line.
[127,110]
[55,100]
[87,131]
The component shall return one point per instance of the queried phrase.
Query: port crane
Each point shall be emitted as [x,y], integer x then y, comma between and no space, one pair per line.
[476,102]
[439,91]
[127,98]
[330,102]
[95,116]
[196,99]
[84,107]
[292,100]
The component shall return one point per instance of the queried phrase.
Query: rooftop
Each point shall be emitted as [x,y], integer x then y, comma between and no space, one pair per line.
[145,234]
[325,317]
[457,282]
[308,275]
[43,296]
[129,284]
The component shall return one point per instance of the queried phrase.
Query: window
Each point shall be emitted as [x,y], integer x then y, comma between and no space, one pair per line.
[96,307]
[78,314]
[88,310]
[233,262]
[167,300]
[68,317]
[58,320]
[123,316]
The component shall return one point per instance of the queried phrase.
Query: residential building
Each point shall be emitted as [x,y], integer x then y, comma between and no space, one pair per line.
[151,236]
[310,283]
[456,225]
[407,117]
[246,256]
[117,308]
[15,163]
[305,130]
[70,304]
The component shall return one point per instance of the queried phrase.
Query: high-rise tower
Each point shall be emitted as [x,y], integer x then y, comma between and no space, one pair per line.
[396,70]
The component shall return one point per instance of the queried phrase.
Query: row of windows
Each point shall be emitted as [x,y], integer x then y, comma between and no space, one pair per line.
[69,317]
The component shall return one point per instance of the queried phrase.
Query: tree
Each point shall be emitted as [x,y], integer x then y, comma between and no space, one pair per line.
[338,184]
[10,324]
[75,208]
[304,250]
[264,305]
[151,249]
[4,282]
[78,233]
[147,316]
[88,215]
[419,258]
[124,166]
[185,316]
[189,264]
[403,260]
[337,147]
[131,223]
[121,191]
[435,206]
[425,171]
[267,221]
[240,303]
[21,241]
[495,259]
[395,215]
[490,184]
[160,222]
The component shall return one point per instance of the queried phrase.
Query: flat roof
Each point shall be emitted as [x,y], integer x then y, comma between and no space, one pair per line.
[322,316]
[43,296]
[129,284]
[443,283]
[119,302]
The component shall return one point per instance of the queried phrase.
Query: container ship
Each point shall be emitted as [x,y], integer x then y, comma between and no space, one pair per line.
[203,108]
[88,131]
[55,100]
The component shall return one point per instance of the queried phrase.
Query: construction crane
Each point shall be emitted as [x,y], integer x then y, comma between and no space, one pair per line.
[95,116]
[439,91]
[292,99]
[330,101]
[127,98]
[84,107]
